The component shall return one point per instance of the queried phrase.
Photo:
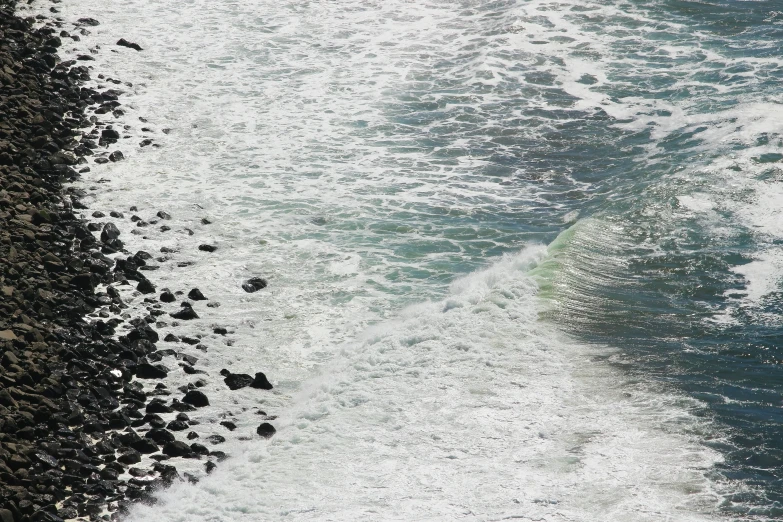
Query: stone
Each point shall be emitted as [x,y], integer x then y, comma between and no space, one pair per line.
[266,430]
[110,231]
[145,286]
[235,381]
[167,297]
[196,295]
[254,284]
[161,436]
[151,371]
[130,457]
[207,248]
[176,449]
[196,398]
[116,156]
[163,215]
[186,313]
[7,335]
[125,43]
[261,382]
[228,425]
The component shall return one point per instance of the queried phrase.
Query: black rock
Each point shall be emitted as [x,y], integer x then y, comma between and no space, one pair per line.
[220,330]
[177,425]
[161,436]
[162,214]
[261,382]
[157,406]
[145,446]
[207,248]
[130,457]
[254,284]
[167,297]
[125,43]
[176,449]
[196,295]
[228,424]
[145,287]
[199,449]
[110,231]
[151,371]
[209,466]
[110,134]
[196,398]
[266,430]
[116,156]
[89,21]
[186,313]
[236,381]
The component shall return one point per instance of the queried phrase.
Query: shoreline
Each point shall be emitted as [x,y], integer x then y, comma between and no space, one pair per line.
[71,393]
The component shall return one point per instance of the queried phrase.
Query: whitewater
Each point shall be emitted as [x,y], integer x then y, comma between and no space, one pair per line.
[438,194]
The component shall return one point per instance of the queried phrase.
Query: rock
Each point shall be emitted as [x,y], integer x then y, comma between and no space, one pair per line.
[7,335]
[145,286]
[192,435]
[199,449]
[254,284]
[266,430]
[145,446]
[125,43]
[116,156]
[261,382]
[229,425]
[219,330]
[177,425]
[110,134]
[161,436]
[157,406]
[151,371]
[209,466]
[167,297]
[196,398]
[110,231]
[196,295]
[186,313]
[89,21]
[207,248]
[176,449]
[7,516]
[130,457]
[163,215]
[236,381]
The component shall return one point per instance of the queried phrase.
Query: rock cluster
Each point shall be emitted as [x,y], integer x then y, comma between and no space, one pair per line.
[75,418]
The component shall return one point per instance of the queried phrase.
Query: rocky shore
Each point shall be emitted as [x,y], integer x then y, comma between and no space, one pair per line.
[82,430]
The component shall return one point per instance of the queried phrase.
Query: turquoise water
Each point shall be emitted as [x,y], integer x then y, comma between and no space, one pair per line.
[525,256]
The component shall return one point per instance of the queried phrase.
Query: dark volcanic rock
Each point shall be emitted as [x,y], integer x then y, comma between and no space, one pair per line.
[236,381]
[167,297]
[196,398]
[176,449]
[110,231]
[196,295]
[266,430]
[207,248]
[186,313]
[254,284]
[125,43]
[151,371]
[261,382]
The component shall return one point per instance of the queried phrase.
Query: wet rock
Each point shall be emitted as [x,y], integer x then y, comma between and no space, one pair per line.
[207,248]
[116,156]
[236,381]
[151,371]
[229,425]
[196,295]
[219,330]
[167,297]
[266,430]
[163,215]
[186,313]
[196,398]
[161,436]
[176,449]
[145,287]
[261,382]
[110,231]
[89,21]
[125,43]
[130,457]
[254,284]
[209,466]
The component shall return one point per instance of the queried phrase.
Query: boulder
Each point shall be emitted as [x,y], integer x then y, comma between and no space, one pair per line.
[261,382]
[236,381]
[254,284]
[266,430]
[196,398]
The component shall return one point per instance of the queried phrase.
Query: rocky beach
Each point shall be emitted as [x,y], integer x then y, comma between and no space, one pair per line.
[86,426]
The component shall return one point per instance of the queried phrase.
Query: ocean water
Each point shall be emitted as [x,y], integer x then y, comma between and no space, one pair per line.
[524,257]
